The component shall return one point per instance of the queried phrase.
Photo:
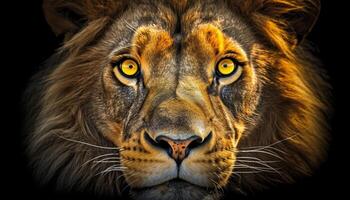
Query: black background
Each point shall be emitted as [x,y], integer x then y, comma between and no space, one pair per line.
[28,41]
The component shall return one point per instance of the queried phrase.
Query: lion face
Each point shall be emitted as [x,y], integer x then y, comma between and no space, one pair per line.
[174,99]
[182,117]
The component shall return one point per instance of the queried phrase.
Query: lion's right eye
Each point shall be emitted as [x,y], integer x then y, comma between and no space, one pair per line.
[128,68]
[127,71]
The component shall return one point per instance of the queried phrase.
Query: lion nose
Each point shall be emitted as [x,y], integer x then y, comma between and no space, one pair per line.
[179,149]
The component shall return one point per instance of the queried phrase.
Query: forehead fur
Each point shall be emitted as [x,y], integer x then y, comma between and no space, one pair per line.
[284,22]
[169,16]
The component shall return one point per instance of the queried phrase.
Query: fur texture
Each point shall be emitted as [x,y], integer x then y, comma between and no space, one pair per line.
[275,113]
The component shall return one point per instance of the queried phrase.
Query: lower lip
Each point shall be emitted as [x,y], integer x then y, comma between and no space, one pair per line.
[177,182]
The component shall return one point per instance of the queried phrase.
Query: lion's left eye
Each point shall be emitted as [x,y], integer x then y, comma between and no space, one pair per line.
[226,67]
[228,71]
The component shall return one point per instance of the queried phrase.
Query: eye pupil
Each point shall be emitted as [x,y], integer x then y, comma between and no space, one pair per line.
[130,66]
[225,65]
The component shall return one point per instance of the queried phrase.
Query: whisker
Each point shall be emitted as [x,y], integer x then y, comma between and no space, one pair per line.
[123,48]
[263,152]
[107,160]
[112,168]
[247,172]
[242,165]
[101,161]
[263,164]
[218,188]
[273,144]
[256,169]
[108,171]
[88,144]
[257,159]
[97,157]
[270,146]
[129,26]
[264,147]
[111,158]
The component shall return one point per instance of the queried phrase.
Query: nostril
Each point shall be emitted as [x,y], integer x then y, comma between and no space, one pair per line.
[158,142]
[162,143]
[198,142]
[195,143]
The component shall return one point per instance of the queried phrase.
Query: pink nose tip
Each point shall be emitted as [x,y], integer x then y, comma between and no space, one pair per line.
[178,149]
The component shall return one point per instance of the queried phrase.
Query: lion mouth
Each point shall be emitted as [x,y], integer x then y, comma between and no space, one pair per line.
[174,189]
[175,183]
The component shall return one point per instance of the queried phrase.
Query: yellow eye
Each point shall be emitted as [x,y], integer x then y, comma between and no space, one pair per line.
[226,67]
[129,68]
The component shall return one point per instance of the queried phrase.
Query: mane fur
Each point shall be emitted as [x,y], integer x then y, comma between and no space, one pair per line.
[295,111]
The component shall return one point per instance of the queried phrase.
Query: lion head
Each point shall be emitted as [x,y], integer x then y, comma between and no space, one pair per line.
[177,99]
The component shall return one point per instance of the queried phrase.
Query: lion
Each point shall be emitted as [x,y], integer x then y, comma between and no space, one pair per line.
[156,99]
